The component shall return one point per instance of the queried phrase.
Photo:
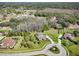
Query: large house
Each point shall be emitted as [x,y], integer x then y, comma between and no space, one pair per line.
[7,42]
[71,26]
[68,36]
[40,36]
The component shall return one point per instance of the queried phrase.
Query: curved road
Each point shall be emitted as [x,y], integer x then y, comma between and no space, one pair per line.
[44,51]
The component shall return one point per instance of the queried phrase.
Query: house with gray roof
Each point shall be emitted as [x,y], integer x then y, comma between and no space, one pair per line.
[40,36]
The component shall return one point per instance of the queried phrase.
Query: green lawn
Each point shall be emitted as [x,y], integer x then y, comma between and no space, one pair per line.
[74,50]
[52,33]
[77,39]
[54,50]
[17,48]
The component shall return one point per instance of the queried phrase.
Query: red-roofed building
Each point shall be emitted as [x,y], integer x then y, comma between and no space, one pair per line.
[7,42]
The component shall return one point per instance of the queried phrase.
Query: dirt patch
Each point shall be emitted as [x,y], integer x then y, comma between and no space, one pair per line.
[53,10]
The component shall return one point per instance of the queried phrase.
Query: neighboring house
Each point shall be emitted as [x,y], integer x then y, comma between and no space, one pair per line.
[40,36]
[7,42]
[53,19]
[71,26]
[68,36]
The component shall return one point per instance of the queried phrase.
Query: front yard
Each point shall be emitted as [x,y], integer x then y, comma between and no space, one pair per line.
[52,33]
[74,49]
[40,44]
[18,49]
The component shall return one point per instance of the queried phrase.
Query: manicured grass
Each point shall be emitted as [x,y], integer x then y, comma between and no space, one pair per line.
[25,50]
[17,46]
[54,50]
[77,39]
[74,50]
[71,47]
[67,43]
[52,33]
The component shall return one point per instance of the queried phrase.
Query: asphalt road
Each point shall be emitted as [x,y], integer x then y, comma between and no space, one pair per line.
[44,51]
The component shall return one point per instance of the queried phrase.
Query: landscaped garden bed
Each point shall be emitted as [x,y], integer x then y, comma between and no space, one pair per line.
[55,50]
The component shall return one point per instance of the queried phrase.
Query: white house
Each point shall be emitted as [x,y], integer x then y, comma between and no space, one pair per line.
[40,36]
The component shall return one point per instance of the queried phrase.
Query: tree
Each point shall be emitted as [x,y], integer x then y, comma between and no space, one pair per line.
[30,44]
[45,27]
[28,24]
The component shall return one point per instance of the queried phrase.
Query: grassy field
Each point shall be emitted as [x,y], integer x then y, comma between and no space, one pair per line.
[52,34]
[74,50]
[17,46]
